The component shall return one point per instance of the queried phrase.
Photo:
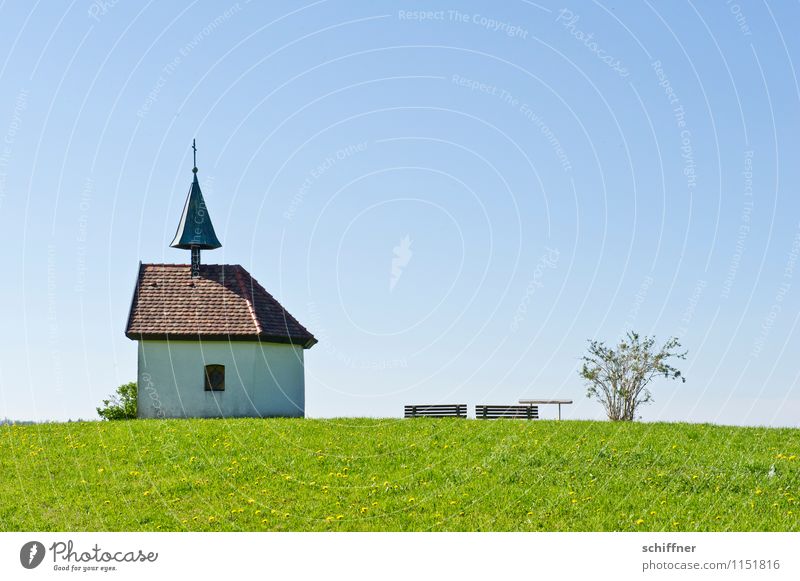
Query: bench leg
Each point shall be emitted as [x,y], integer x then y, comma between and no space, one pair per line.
[559,412]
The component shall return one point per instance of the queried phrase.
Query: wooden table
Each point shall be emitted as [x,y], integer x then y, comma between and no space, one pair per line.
[558,402]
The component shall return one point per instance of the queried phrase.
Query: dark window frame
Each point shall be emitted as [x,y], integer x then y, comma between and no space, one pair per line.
[213,381]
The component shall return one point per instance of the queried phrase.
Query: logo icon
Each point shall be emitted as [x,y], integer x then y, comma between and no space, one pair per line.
[31,554]
[401,257]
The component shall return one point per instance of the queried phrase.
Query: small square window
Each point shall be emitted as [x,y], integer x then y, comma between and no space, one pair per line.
[215,378]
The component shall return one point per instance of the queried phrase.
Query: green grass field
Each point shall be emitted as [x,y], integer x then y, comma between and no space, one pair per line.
[397,475]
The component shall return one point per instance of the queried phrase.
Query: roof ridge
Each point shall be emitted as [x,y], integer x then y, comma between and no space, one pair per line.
[186,264]
[250,308]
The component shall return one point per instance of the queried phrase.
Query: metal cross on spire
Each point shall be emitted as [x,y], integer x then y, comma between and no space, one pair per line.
[194,153]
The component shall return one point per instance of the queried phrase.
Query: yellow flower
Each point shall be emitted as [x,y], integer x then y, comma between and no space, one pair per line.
[640,521]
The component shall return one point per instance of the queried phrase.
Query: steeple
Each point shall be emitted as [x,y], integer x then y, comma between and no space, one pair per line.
[195,231]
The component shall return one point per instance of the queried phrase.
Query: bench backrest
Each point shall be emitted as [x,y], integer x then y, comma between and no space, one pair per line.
[458,410]
[520,412]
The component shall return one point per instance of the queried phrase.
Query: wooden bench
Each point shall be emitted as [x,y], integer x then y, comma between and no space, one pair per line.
[495,412]
[456,410]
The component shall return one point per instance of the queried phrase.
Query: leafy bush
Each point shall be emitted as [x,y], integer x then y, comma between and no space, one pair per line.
[121,405]
[618,378]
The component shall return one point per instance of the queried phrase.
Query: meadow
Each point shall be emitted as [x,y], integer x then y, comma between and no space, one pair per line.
[397,475]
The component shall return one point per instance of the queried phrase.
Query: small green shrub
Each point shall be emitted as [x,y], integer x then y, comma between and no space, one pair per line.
[121,405]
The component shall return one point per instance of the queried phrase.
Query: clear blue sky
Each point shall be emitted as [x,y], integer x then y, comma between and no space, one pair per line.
[452,196]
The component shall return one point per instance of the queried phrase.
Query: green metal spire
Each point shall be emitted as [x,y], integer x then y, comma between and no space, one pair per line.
[195,230]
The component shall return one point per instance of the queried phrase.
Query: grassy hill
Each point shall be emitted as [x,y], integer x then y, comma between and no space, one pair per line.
[362,474]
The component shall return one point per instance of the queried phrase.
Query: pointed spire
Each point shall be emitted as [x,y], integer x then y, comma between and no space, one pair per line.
[195,230]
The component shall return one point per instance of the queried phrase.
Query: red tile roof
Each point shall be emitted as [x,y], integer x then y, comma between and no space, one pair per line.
[224,302]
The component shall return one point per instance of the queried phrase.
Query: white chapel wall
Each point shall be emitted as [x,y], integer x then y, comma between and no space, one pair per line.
[261,379]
